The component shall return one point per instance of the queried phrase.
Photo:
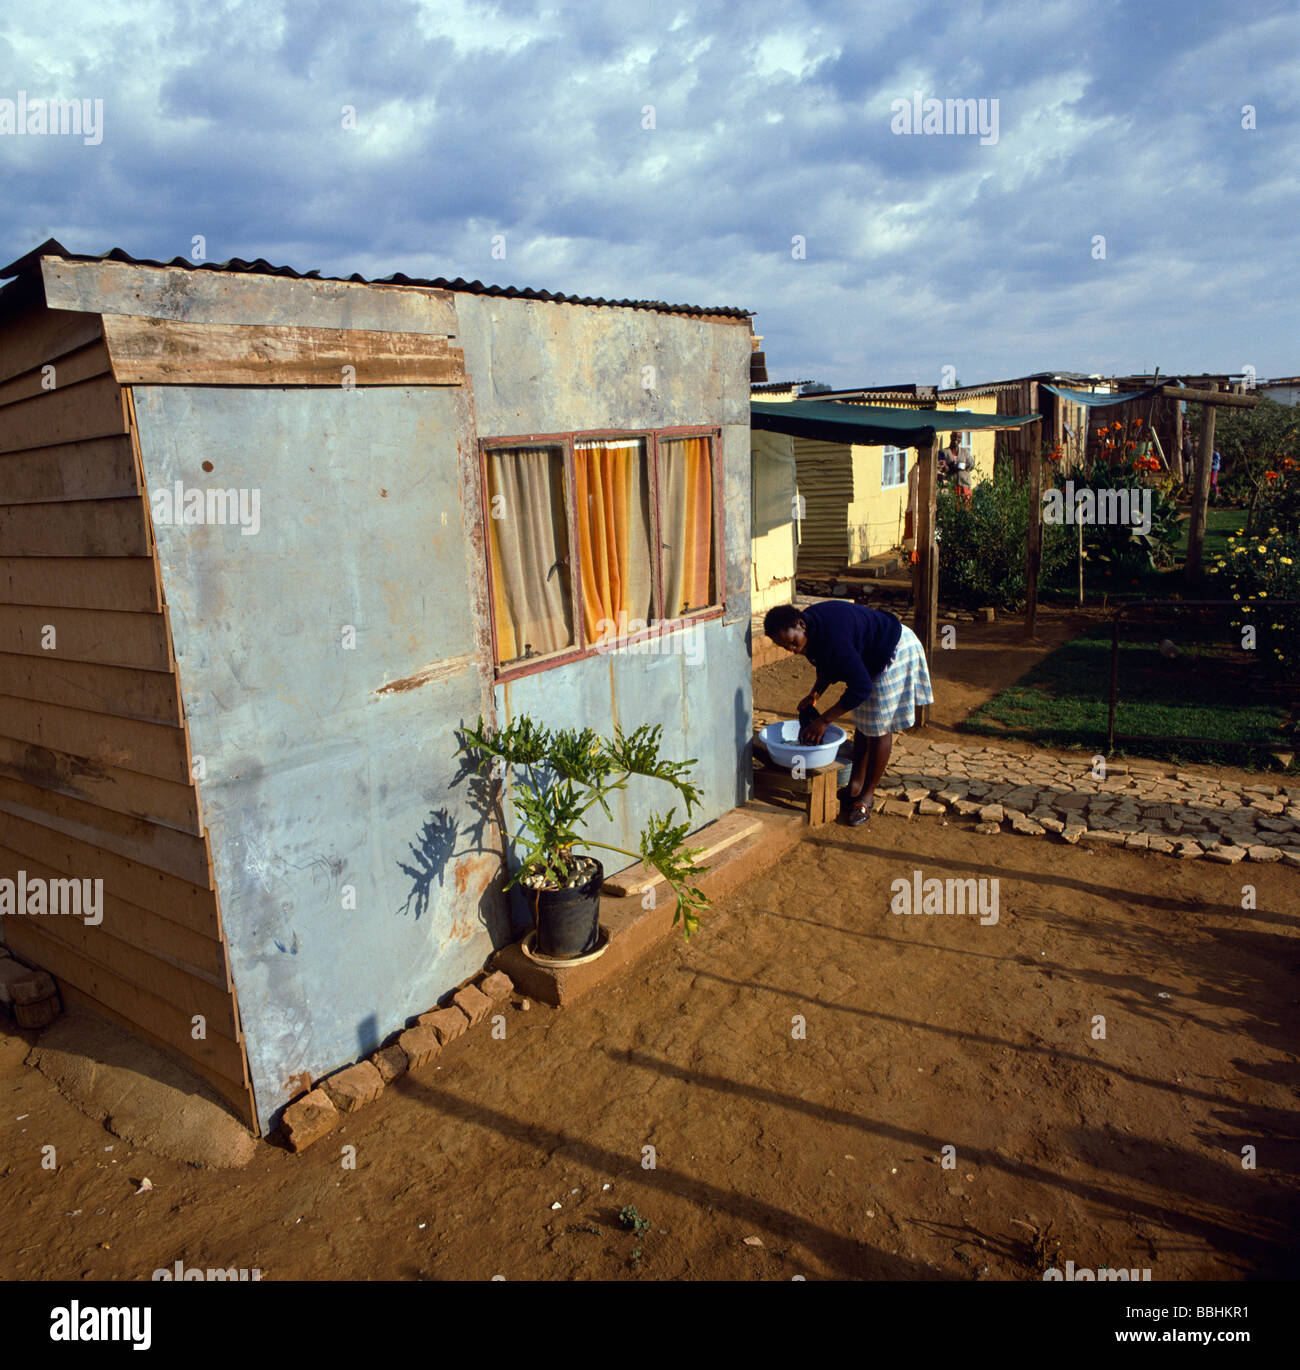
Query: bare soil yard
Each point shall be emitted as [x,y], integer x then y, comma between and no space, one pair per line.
[798,1071]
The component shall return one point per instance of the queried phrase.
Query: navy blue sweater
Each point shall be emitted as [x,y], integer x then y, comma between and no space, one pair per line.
[850,642]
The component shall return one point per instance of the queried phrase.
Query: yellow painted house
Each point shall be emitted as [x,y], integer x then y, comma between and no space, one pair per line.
[853,499]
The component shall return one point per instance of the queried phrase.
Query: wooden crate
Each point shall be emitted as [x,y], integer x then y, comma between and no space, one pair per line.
[815,790]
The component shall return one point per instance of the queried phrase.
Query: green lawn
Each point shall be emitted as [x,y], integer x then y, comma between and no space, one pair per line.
[1204,691]
[1219,523]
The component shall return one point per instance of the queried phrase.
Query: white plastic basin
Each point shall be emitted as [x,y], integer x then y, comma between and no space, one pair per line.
[783,745]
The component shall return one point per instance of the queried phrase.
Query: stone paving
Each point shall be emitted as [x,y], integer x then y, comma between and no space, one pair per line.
[1142,805]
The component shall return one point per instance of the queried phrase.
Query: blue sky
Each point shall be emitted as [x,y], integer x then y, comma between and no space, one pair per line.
[772,121]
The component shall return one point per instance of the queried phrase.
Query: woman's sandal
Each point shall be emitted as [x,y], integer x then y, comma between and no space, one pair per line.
[857,813]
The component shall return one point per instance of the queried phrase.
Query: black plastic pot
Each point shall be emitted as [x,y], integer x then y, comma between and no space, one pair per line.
[568,921]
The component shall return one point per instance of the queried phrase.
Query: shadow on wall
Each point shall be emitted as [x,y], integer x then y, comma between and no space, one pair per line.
[744,746]
[430,853]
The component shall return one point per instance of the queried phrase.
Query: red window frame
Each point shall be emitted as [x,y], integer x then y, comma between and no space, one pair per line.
[652,437]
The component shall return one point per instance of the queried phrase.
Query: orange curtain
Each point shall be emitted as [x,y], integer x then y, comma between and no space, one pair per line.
[613,535]
[686,504]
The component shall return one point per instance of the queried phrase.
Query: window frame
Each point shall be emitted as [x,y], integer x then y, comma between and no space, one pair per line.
[580,649]
[884,457]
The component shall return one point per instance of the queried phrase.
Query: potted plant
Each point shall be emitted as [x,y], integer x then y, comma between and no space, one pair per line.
[554,780]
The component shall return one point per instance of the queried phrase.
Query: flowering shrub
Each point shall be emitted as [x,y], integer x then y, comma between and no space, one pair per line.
[982,539]
[1121,444]
[1259,570]
[1120,552]
[1279,501]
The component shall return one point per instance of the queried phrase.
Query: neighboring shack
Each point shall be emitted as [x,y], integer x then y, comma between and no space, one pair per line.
[251,582]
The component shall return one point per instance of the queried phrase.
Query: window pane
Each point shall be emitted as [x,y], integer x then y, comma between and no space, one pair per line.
[529,541]
[686,525]
[613,495]
[893,467]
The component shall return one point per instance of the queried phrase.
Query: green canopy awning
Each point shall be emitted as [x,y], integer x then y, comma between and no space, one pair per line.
[871,425]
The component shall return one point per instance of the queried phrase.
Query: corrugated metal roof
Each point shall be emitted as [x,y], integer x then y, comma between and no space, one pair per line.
[261,267]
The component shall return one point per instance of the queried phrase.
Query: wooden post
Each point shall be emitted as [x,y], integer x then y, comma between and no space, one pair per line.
[1200,495]
[1034,542]
[1079,530]
[1176,456]
[925,577]
[1033,432]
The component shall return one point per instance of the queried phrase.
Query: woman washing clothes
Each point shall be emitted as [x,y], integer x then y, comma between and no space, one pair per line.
[883,667]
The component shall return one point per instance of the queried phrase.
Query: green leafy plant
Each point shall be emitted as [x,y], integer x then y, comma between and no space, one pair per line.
[557,777]
[982,540]
[631,1220]
[1121,549]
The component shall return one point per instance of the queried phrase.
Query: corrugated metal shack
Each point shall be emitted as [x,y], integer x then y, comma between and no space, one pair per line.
[266,540]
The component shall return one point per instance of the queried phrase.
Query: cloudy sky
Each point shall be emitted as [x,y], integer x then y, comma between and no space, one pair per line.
[713,154]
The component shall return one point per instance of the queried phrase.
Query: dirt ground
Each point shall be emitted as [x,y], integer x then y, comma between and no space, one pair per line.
[798,1071]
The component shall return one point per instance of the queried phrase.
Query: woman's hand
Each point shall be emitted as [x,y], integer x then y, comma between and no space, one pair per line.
[809,701]
[813,732]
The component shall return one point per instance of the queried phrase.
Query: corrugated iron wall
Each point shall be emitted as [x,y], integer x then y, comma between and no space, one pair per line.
[825,473]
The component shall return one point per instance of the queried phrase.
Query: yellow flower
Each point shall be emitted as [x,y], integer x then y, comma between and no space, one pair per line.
[1263,594]
[1261,548]
[1286,561]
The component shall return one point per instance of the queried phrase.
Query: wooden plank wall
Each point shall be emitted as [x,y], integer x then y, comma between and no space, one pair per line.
[94,754]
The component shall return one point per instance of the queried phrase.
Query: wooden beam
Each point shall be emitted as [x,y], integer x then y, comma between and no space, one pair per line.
[178,292]
[147,696]
[99,636]
[925,576]
[29,340]
[1177,455]
[72,413]
[83,365]
[76,528]
[122,584]
[1200,497]
[1177,392]
[98,468]
[162,352]
[172,803]
[150,748]
[1034,542]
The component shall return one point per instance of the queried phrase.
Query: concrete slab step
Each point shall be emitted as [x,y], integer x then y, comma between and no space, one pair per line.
[633,929]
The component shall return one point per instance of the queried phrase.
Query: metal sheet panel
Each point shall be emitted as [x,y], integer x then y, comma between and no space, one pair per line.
[538,369]
[702,697]
[329,767]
